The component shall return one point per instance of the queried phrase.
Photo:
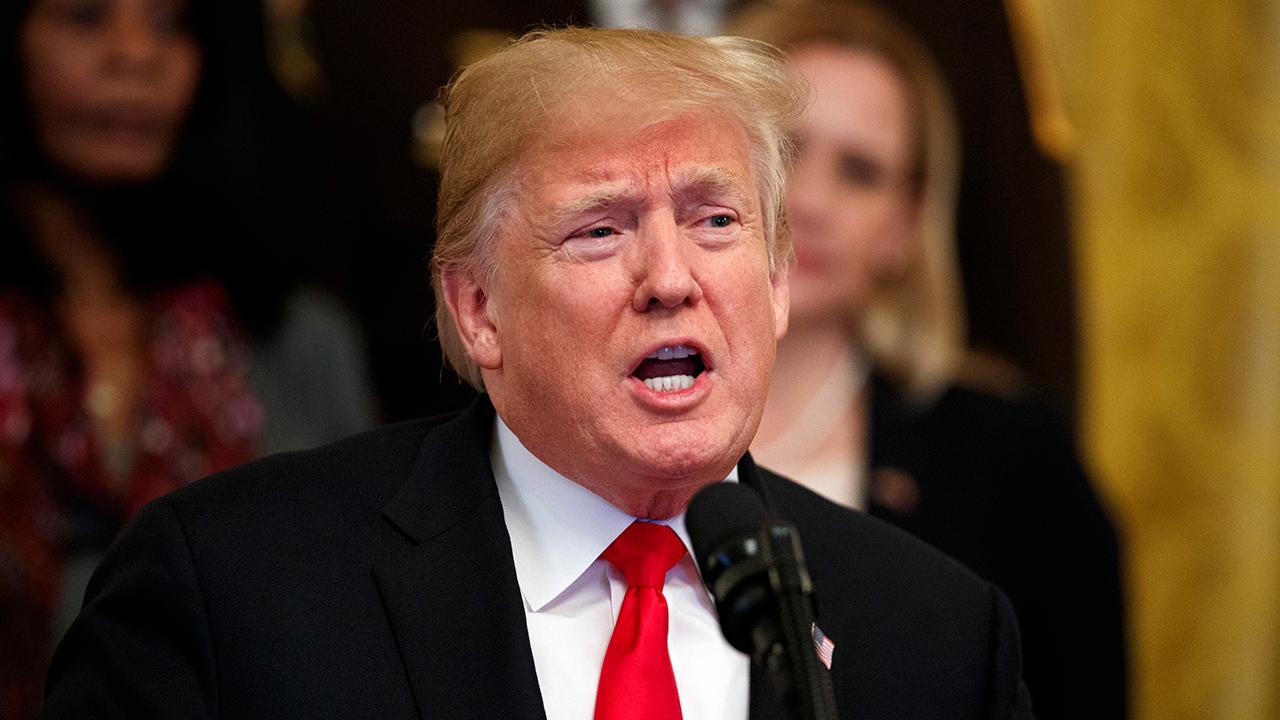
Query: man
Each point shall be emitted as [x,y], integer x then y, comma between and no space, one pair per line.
[612,262]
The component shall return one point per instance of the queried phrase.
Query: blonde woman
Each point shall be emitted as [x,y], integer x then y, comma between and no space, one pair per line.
[874,401]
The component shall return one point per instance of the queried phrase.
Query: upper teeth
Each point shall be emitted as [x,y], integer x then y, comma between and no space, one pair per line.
[672,353]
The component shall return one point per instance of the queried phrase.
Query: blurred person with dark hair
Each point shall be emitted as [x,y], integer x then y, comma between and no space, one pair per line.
[875,402]
[149,330]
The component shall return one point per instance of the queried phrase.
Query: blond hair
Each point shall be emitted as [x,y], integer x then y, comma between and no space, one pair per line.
[547,80]
[914,327]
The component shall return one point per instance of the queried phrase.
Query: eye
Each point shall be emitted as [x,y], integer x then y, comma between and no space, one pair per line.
[88,15]
[718,221]
[594,236]
[597,232]
[861,171]
[595,242]
[168,18]
[715,225]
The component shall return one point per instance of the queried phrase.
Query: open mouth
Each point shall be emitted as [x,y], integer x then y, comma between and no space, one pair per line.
[670,369]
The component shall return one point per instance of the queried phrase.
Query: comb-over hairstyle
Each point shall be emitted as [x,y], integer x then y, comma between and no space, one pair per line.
[564,82]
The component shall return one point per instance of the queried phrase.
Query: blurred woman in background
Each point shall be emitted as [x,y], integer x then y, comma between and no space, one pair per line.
[875,402]
[152,324]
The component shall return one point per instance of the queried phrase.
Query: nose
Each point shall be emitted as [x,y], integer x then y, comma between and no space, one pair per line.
[664,272]
[132,41]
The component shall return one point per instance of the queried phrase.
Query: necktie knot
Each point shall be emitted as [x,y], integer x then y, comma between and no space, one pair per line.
[644,553]
[636,679]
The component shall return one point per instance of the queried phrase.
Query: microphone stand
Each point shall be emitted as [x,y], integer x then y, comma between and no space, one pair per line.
[755,570]
[792,662]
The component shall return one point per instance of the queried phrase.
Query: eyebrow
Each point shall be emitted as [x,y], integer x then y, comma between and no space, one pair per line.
[715,181]
[698,182]
[600,197]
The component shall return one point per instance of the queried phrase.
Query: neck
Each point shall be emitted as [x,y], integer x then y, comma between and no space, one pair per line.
[655,505]
[648,497]
[65,237]
[804,362]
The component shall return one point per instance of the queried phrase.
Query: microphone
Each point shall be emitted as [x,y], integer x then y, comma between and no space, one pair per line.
[724,522]
[754,568]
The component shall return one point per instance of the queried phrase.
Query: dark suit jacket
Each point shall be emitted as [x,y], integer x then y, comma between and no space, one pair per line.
[996,483]
[374,579]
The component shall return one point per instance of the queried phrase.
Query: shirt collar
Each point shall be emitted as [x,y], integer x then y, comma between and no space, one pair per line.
[558,528]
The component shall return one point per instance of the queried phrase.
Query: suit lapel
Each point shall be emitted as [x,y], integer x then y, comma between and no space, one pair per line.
[751,477]
[452,599]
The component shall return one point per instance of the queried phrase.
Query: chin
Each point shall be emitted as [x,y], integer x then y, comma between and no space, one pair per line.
[122,168]
[688,453]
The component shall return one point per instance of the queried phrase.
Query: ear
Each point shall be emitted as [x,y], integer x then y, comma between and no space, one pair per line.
[781,290]
[470,306]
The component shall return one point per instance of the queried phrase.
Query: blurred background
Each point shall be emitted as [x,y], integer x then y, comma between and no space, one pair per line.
[1174,159]
[1117,232]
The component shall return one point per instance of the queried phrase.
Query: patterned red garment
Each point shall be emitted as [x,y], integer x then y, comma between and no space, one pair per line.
[197,415]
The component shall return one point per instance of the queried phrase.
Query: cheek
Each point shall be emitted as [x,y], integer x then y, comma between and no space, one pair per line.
[869,241]
[757,303]
[837,262]
[557,315]
[900,247]
[840,277]
[183,79]
[58,80]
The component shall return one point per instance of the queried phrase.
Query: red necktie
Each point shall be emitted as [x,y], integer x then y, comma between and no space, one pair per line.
[636,680]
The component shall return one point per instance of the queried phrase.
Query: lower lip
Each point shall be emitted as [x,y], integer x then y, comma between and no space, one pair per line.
[138,124]
[675,400]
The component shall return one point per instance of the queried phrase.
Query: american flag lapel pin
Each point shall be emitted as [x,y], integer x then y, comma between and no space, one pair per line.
[823,646]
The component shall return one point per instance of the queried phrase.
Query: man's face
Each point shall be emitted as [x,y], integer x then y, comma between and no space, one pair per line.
[629,333]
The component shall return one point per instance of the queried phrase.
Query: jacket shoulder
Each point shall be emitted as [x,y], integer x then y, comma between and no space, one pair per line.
[353,475]
[917,634]
[838,540]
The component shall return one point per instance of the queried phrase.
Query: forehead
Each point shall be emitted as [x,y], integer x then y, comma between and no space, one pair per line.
[857,95]
[689,151]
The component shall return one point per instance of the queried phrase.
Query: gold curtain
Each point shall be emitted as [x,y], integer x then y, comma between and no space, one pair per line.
[1174,115]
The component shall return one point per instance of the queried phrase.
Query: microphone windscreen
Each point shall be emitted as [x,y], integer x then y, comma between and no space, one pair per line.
[720,513]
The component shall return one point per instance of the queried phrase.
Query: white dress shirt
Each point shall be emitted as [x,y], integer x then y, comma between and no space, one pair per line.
[572,597]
